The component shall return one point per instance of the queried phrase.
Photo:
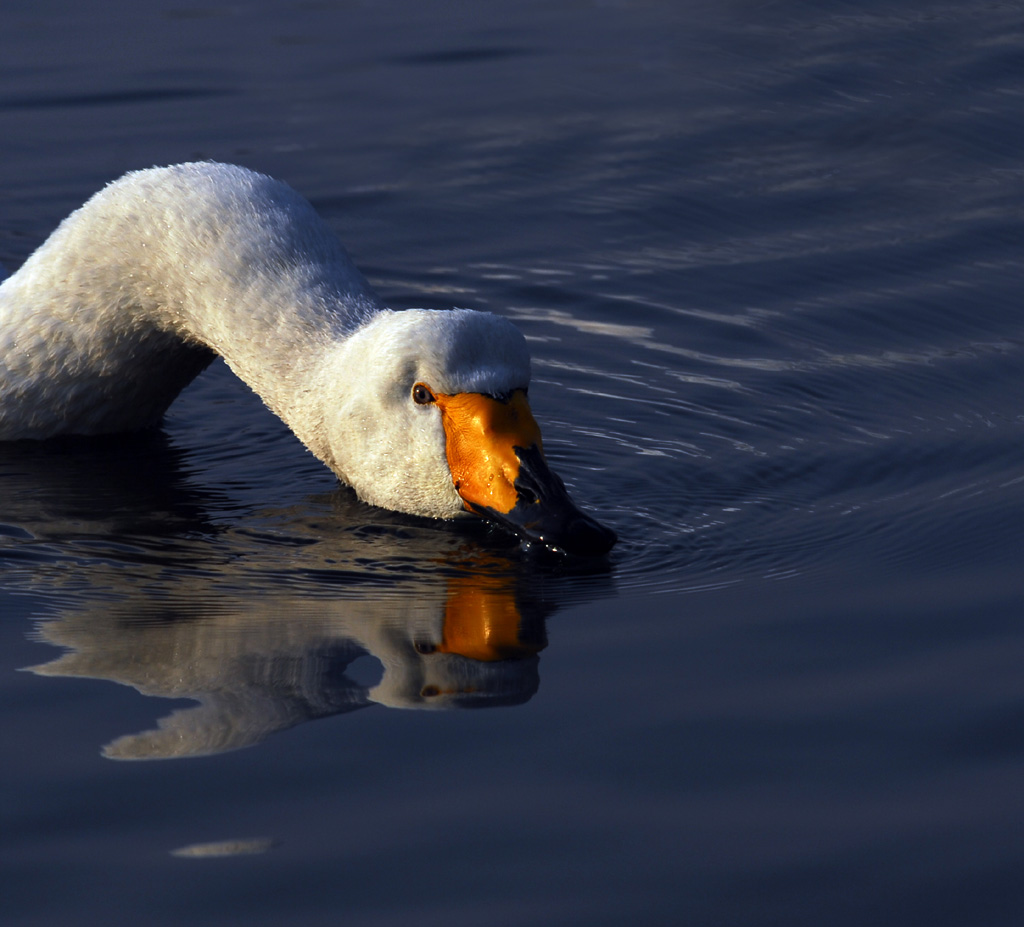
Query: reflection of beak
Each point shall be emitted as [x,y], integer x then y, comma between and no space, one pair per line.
[484,623]
[497,464]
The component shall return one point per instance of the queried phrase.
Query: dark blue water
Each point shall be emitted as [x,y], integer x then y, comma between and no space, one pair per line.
[767,256]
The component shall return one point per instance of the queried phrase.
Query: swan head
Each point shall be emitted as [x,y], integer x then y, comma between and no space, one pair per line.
[426,412]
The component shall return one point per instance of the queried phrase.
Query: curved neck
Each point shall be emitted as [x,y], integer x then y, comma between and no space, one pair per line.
[122,306]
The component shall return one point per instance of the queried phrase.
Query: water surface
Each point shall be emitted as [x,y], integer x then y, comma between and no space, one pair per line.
[767,260]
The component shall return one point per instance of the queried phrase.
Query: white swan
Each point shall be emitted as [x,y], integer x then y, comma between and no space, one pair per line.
[131,297]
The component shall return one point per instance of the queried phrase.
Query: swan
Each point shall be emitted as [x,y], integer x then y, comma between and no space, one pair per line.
[420,411]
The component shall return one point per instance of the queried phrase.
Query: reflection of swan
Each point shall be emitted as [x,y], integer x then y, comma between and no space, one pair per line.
[420,411]
[263,620]
[269,666]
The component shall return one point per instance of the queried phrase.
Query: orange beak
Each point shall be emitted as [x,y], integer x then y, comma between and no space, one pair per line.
[497,464]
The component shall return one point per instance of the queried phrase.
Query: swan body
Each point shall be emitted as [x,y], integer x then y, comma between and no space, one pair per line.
[420,411]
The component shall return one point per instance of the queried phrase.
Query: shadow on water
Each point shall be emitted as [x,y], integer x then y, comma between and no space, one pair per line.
[266,621]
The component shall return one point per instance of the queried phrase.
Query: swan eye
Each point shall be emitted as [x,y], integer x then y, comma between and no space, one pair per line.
[422,395]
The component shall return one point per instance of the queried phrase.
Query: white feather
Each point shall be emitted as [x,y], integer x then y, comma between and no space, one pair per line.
[135,292]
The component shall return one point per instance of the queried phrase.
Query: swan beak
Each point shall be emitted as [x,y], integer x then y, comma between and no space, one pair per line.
[498,467]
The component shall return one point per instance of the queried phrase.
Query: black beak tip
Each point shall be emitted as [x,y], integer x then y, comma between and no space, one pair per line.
[583,535]
[544,512]
[577,534]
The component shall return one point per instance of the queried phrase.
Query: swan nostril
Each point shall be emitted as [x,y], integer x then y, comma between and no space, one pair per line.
[527,496]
